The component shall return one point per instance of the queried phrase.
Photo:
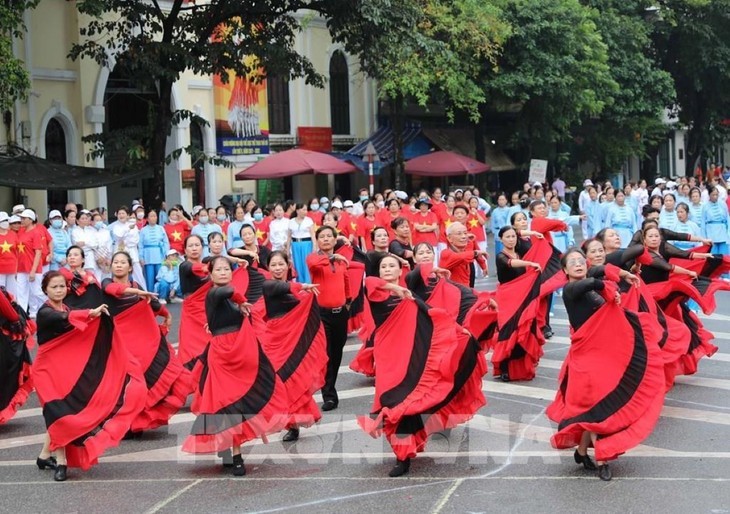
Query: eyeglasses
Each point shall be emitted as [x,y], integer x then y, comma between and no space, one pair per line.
[575,261]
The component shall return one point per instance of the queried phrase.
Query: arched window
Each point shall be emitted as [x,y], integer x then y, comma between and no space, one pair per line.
[55,143]
[339,94]
[277,89]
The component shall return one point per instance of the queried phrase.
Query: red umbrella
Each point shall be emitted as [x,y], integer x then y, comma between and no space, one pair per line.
[295,162]
[444,164]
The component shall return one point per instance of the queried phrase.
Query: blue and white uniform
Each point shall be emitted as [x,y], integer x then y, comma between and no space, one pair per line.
[715,225]
[621,218]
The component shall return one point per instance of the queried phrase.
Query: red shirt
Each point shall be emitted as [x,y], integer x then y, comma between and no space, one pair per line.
[385,218]
[28,242]
[9,253]
[476,228]
[45,240]
[365,229]
[425,237]
[334,283]
[262,232]
[176,234]
[316,217]
[460,264]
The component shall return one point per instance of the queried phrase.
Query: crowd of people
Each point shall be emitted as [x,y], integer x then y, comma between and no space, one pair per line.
[270,293]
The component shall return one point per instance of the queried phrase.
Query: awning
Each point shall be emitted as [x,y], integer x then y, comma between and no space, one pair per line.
[20,169]
[462,141]
[414,145]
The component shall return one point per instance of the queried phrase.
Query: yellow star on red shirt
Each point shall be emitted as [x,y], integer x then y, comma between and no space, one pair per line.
[353,226]
[6,246]
[260,234]
[473,223]
[21,247]
[448,223]
[176,236]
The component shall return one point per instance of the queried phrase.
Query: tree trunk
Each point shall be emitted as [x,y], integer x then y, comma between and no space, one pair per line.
[155,193]
[397,124]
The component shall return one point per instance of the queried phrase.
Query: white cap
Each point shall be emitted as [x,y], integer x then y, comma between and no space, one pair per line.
[324,199]
[3,216]
[402,195]
[137,206]
[53,214]
[85,211]
[172,251]
[337,204]
[587,182]
[458,191]
[27,213]
[197,209]
[14,219]
[660,180]
[671,184]
[17,209]
[537,183]
[348,203]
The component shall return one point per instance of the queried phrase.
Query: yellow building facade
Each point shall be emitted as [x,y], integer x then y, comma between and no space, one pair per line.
[72,99]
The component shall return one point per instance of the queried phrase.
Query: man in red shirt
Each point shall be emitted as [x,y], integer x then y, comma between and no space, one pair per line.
[329,272]
[459,256]
[30,267]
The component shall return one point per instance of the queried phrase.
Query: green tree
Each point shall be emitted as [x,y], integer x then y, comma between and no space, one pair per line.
[424,52]
[15,83]
[693,46]
[552,74]
[154,44]
[631,123]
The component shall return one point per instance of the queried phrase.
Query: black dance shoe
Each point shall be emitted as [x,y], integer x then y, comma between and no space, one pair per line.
[329,405]
[129,436]
[401,468]
[49,463]
[604,472]
[548,333]
[504,377]
[238,469]
[291,435]
[227,457]
[585,460]
[60,474]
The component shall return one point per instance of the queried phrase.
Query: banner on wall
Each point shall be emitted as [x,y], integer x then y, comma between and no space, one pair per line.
[241,116]
[317,139]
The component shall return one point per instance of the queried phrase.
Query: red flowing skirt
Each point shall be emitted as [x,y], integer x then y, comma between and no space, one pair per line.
[89,391]
[297,348]
[168,382]
[193,336]
[429,377]
[15,375]
[611,383]
[239,397]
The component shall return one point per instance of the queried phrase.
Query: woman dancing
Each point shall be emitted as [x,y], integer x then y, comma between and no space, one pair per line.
[239,396]
[15,370]
[135,327]
[429,369]
[294,341]
[194,283]
[88,391]
[611,383]
[84,289]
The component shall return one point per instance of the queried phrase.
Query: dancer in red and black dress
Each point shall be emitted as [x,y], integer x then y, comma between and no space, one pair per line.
[476,311]
[194,284]
[429,368]
[519,345]
[612,381]
[294,341]
[15,371]
[83,286]
[135,327]
[257,256]
[86,387]
[239,396]
[671,287]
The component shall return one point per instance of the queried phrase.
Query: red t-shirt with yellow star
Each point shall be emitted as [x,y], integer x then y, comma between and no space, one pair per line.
[176,234]
[262,232]
[28,242]
[424,237]
[9,253]
[474,227]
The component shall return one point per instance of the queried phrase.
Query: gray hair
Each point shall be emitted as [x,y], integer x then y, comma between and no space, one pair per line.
[457,224]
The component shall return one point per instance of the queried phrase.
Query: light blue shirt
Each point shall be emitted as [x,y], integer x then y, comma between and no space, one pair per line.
[622,219]
[668,219]
[61,243]
[203,230]
[688,227]
[153,244]
[500,218]
[234,234]
[714,221]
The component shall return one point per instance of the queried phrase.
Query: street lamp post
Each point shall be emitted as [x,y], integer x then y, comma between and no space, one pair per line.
[372,156]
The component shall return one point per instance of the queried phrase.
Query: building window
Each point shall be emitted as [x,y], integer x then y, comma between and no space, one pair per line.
[277,89]
[55,142]
[339,94]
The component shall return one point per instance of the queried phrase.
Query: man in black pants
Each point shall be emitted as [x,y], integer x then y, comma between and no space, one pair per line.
[329,271]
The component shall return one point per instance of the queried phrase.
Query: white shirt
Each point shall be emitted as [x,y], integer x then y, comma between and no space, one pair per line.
[87,236]
[721,194]
[301,230]
[278,233]
[126,238]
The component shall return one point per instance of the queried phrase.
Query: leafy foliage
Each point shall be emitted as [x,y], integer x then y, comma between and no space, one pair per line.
[15,83]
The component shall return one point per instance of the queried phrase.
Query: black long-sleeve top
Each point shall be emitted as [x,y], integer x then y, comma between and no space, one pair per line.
[657,271]
[505,272]
[582,300]
[278,298]
[223,314]
[399,249]
[189,280]
[118,304]
[51,324]
[625,258]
